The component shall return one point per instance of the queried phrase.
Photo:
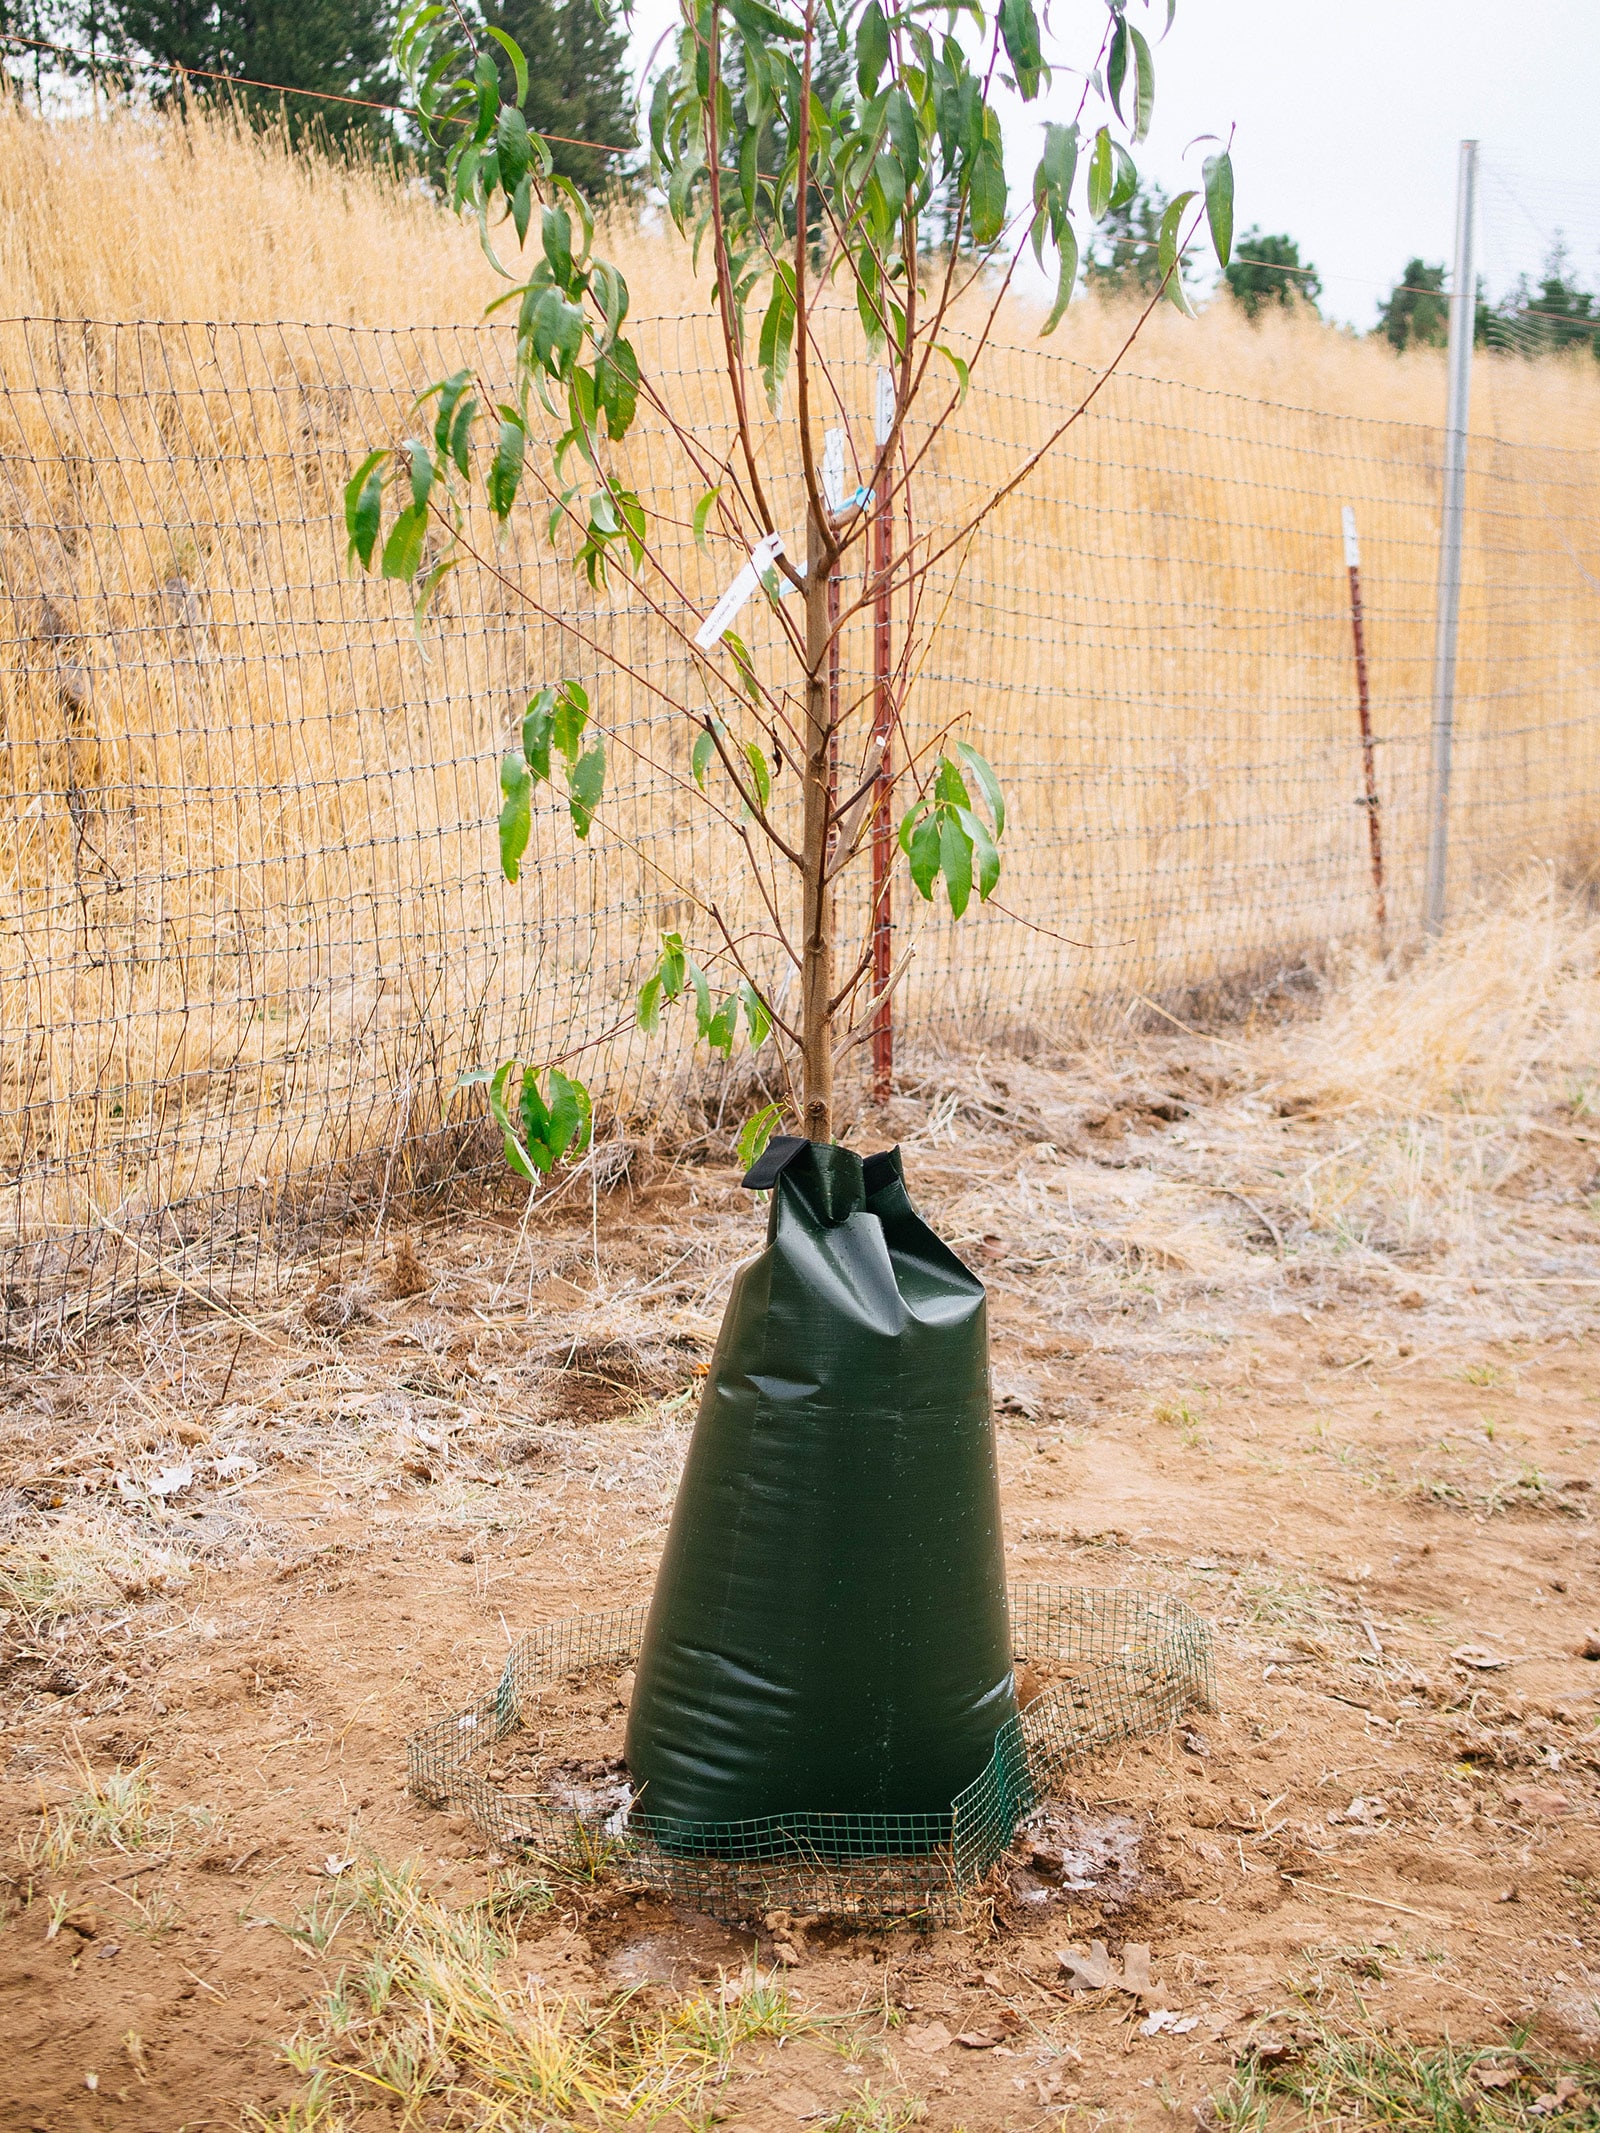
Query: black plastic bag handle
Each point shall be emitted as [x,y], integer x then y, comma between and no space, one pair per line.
[769,1166]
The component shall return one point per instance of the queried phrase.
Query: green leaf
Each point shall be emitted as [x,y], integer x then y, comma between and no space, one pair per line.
[516,1155]
[513,149]
[1145,89]
[720,1028]
[1117,65]
[534,1114]
[449,392]
[537,724]
[987,783]
[923,851]
[757,1020]
[571,715]
[754,1135]
[519,66]
[759,772]
[461,433]
[955,861]
[1125,183]
[1067,252]
[702,995]
[585,783]
[872,48]
[1019,28]
[616,388]
[556,230]
[1167,256]
[516,816]
[506,473]
[761,21]
[649,1006]
[402,551]
[699,761]
[962,370]
[986,192]
[1100,172]
[702,512]
[977,833]
[777,333]
[363,507]
[571,1117]
[950,786]
[1217,174]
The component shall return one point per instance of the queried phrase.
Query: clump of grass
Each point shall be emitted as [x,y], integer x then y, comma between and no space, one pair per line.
[115,1811]
[869,2112]
[1364,2079]
[86,1566]
[438,2018]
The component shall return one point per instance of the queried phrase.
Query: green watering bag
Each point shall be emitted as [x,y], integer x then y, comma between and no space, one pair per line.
[829,1634]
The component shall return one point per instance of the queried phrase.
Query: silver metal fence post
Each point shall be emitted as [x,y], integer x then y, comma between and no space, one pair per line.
[1463,305]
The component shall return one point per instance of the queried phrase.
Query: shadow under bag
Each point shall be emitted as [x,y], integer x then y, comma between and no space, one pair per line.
[829,1631]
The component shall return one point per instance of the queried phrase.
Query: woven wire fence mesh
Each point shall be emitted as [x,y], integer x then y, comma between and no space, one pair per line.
[252,926]
[1111,1665]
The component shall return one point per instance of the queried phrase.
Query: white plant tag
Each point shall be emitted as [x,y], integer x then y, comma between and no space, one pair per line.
[729,608]
[1352,547]
[884,411]
[833,470]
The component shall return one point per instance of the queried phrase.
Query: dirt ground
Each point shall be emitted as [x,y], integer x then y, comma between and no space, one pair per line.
[246,1555]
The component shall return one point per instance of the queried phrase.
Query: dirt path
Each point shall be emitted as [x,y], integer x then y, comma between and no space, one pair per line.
[1378,1486]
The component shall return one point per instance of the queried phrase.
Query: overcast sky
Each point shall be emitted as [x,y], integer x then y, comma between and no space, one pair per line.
[1348,116]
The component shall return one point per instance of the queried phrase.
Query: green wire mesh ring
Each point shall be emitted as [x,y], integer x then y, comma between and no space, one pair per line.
[1113,1664]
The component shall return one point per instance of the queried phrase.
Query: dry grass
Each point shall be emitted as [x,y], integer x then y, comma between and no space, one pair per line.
[436,2017]
[254,927]
[117,1810]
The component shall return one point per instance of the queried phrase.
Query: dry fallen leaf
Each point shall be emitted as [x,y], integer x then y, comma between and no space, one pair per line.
[974,2040]
[1087,1973]
[1165,2021]
[1477,1655]
[1495,2077]
[928,2037]
[1096,1972]
[1541,1800]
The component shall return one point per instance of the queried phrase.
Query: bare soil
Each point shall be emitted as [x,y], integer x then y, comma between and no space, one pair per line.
[251,1553]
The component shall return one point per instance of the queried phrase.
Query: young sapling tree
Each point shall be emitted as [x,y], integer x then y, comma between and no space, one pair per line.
[811,152]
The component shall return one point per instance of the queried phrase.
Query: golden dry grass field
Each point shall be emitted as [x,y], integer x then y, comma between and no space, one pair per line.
[253,923]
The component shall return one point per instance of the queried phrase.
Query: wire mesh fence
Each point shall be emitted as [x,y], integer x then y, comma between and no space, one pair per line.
[1108,1667]
[252,926]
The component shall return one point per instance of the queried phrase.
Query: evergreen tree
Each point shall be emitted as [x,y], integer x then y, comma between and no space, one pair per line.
[578,85]
[1416,312]
[339,47]
[1269,270]
[1556,315]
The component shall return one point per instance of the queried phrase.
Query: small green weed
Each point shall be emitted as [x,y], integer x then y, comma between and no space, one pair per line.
[115,1812]
[868,2112]
[1361,2078]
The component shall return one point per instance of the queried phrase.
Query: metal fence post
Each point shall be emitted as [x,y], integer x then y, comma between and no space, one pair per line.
[1352,564]
[1463,306]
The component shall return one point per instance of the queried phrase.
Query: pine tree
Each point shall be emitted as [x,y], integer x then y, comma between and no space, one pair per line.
[338,47]
[578,85]
[1416,312]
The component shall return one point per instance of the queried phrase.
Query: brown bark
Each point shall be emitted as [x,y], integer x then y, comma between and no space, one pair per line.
[816,945]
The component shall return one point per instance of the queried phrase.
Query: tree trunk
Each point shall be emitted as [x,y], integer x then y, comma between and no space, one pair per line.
[816,945]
